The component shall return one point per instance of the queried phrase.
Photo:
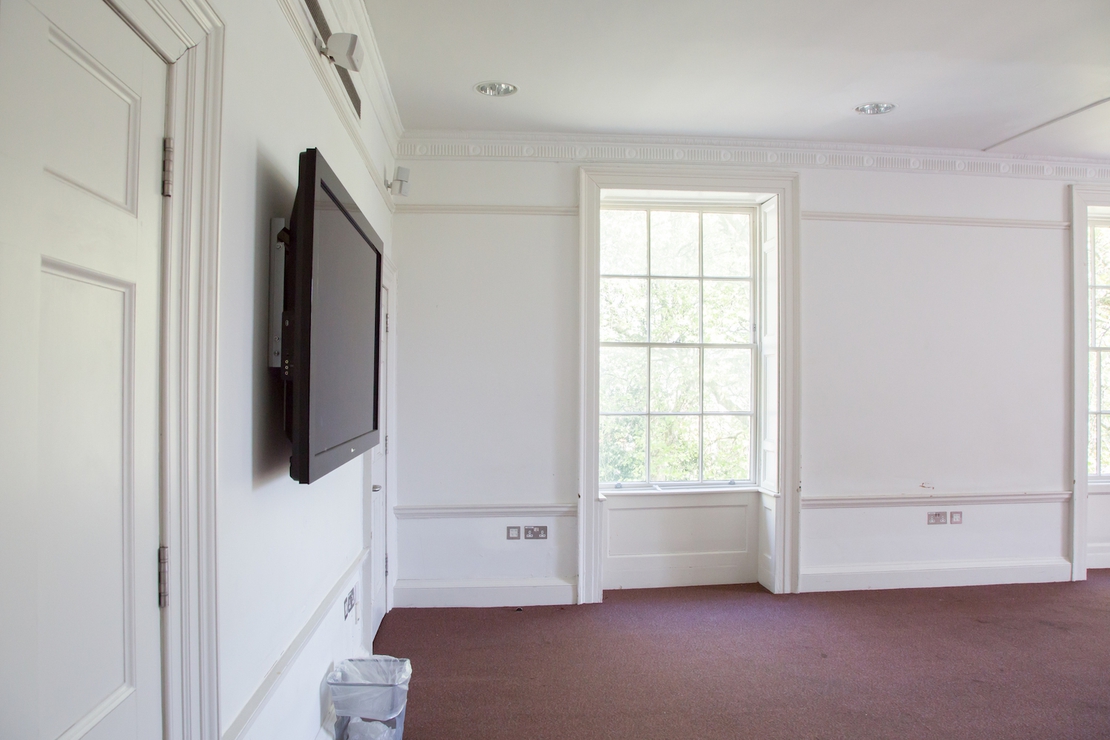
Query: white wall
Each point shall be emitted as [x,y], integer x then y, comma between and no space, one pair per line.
[281,546]
[933,353]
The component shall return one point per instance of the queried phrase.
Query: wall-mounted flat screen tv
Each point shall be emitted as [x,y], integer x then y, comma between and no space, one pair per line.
[330,333]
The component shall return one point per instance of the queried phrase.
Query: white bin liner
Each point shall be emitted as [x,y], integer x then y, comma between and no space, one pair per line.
[369,695]
[359,730]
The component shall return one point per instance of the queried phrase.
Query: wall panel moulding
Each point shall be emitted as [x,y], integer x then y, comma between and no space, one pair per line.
[941,499]
[770,154]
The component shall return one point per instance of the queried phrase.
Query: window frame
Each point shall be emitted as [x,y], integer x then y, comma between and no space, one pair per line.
[700,207]
[1102,474]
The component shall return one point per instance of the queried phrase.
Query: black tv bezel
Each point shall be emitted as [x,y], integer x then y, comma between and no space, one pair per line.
[304,466]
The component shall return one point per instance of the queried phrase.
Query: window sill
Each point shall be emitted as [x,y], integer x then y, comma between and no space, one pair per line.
[1099,487]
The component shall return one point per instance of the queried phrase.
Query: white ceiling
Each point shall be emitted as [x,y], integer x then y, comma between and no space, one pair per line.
[965,74]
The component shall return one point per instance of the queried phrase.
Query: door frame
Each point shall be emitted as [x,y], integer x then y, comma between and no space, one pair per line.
[389,281]
[189,36]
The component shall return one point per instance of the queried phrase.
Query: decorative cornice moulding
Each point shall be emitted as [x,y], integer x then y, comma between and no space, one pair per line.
[591,148]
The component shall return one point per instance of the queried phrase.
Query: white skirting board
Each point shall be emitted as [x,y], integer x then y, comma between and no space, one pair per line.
[677,576]
[1098,555]
[934,574]
[486,592]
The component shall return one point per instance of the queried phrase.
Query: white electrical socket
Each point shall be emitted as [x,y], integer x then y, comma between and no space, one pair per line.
[956,517]
[938,517]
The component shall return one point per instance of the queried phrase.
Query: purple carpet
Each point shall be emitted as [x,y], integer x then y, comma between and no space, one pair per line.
[1023,661]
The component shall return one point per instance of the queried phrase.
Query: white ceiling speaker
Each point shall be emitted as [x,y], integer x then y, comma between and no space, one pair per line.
[344,50]
[400,183]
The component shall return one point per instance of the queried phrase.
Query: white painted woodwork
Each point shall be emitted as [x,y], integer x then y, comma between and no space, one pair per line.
[768,330]
[80,144]
[1088,523]
[655,540]
[471,146]
[375,514]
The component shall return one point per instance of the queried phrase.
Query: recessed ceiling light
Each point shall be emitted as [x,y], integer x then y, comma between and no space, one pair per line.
[874,109]
[495,89]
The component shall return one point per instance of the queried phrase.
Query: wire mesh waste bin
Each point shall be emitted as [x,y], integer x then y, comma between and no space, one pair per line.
[370,695]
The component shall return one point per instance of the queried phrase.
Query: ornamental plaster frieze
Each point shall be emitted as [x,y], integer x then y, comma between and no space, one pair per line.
[735,152]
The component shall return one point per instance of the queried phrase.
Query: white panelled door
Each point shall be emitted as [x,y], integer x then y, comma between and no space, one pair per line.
[82,105]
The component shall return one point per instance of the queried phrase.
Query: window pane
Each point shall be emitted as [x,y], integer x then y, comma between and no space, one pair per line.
[727,447]
[728,380]
[1093,381]
[623,380]
[1102,318]
[674,243]
[624,242]
[674,380]
[1092,446]
[674,448]
[1105,381]
[623,310]
[726,245]
[1102,254]
[674,311]
[728,311]
[623,451]
[1104,444]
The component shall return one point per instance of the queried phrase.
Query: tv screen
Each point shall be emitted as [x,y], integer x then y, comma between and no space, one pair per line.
[330,325]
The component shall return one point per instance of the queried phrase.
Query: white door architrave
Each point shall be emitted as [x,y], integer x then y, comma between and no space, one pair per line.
[188,35]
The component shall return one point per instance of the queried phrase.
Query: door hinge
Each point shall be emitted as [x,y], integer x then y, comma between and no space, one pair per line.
[387,565]
[387,323]
[167,167]
[386,450]
[163,576]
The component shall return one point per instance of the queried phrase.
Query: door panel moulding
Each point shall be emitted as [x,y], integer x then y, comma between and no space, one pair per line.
[717,152]
[784,187]
[188,35]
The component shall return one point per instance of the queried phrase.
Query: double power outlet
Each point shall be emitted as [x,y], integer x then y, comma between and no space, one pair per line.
[530,533]
[946,517]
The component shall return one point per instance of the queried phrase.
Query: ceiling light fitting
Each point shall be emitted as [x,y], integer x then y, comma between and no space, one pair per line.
[495,89]
[874,109]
